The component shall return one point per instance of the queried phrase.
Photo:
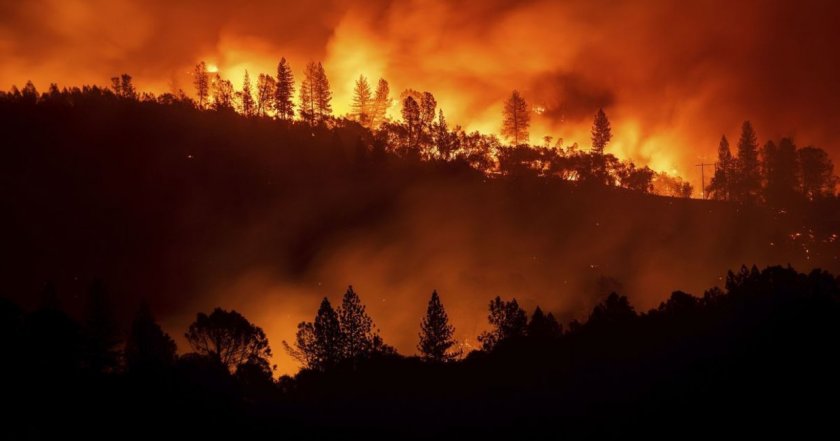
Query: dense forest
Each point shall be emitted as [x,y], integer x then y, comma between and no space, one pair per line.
[126,206]
[755,358]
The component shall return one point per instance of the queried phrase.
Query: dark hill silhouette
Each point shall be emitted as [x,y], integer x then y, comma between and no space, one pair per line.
[174,205]
[757,358]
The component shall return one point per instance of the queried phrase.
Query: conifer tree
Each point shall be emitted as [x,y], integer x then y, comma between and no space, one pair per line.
[201,80]
[323,95]
[308,94]
[284,91]
[747,179]
[517,120]
[246,98]
[356,326]
[381,103]
[436,333]
[318,344]
[720,187]
[148,348]
[601,132]
[362,102]
[266,86]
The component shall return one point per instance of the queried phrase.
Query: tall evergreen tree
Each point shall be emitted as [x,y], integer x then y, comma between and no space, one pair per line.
[428,106]
[284,91]
[720,187]
[266,88]
[780,172]
[356,326]
[411,118]
[323,95]
[543,326]
[747,179]
[362,102]
[148,348]
[517,119]
[201,80]
[318,344]
[436,333]
[246,99]
[102,331]
[308,94]
[601,132]
[381,103]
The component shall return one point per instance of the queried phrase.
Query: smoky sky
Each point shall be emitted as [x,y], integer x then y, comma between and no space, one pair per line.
[673,76]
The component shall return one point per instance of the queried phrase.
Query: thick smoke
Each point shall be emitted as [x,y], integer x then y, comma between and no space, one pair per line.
[673,76]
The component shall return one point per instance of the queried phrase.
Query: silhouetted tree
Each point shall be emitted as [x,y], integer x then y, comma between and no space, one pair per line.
[356,326]
[381,103]
[318,344]
[517,119]
[780,172]
[817,170]
[323,95]
[601,132]
[428,106]
[436,333]
[29,94]
[309,93]
[266,90]
[222,94]
[246,99]
[720,187]
[123,87]
[638,179]
[614,309]
[228,336]
[747,179]
[284,91]
[102,331]
[201,80]
[411,118]
[148,348]
[508,321]
[362,102]
[543,326]
[443,139]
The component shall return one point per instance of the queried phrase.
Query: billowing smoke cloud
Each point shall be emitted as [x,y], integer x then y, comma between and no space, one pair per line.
[672,76]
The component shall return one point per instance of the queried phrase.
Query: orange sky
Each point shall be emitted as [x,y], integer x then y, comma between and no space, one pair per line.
[673,76]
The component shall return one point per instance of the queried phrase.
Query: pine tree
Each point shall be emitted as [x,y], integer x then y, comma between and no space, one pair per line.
[543,326]
[323,95]
[308,93]
[411,118]
[102,331]
[781,172]
[284,91]
[356,326]
[362,102]
[720,187]
[436,333]
[381,103]
[266,88]
[517,120]
[601,132]
[148,348]
[817,170]
[246,98]
[318,344]
[201,80]
[747,179]
[442,137]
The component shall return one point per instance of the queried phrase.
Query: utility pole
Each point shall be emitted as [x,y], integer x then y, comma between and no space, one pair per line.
[703,166]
